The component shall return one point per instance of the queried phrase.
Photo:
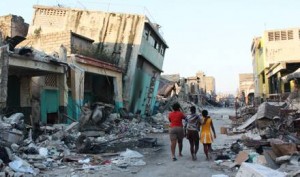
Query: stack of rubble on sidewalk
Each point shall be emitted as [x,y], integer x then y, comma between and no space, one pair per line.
[270,140]
[92,143]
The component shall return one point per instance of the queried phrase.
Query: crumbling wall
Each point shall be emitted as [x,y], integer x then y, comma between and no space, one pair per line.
[116,34]
[48,43]
[12,25]
[3,75]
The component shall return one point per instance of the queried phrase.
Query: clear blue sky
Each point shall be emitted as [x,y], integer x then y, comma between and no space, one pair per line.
[213,36]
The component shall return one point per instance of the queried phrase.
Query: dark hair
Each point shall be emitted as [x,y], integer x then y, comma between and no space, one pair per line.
[176,106]
[204,113]
[193,109]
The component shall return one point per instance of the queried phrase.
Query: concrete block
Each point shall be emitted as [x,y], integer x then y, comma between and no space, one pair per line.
[251,170]
[241,157]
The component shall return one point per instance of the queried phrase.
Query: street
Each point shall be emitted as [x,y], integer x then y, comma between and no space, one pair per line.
[159,164]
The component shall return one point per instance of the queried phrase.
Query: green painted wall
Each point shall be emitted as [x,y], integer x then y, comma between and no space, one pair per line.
[142,82]
[151,54]
[49,103]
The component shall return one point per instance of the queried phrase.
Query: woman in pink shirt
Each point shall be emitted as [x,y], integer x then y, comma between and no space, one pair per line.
[176,129]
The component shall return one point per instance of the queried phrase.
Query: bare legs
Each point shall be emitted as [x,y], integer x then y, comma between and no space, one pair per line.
[180,147]
[194,146]
[173,147]
[207,149]
[176,136]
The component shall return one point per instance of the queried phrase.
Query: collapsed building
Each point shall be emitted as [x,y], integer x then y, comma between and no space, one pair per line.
[64,77]
[112,59]
[131,42]
[270,138]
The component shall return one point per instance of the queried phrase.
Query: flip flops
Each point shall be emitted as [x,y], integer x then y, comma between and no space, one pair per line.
[174,159]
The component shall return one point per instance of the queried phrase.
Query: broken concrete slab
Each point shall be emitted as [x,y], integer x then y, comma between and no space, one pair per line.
[93,133]
[248,122]
[266,110]
[283,159]
[12,136]
[257,170]
[73,125]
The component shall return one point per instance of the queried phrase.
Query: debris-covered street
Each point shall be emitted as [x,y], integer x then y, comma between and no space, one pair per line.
[89,91]
[134,147]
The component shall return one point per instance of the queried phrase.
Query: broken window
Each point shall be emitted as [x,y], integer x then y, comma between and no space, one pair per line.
[140,63]
[162,50]
[151,40]
[146,34]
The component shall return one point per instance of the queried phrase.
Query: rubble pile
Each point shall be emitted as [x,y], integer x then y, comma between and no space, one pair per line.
[93,143]
[269,141]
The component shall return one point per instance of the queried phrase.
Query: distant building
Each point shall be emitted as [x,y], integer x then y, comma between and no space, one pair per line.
[201,85]
[246,87]
[210,85]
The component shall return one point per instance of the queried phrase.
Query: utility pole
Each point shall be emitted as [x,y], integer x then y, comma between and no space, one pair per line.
[198,91]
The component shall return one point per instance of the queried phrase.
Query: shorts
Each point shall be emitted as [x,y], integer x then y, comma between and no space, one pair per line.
[176,133]
[193,135]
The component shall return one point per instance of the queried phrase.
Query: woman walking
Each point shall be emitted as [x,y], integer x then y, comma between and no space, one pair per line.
[206,136]
[192,127]
[176,129]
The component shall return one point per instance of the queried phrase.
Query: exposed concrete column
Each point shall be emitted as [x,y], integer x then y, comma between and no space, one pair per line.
[3,75]
[63,89]
[63,95]
[62,85]
[25,97]
[77,88]
[130,77]
[118,92]
[25,92]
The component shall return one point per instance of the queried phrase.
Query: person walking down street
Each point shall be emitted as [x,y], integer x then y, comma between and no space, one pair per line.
[192,127]
[176,129]
[206,136]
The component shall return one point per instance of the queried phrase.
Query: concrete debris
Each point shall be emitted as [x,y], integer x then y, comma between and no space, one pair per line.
[250,169]
[270,137]
[241,157]
[41,148]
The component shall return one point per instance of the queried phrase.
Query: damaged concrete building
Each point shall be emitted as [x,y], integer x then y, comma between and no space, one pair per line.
[275,56]
[202,87]
[12,25]
[87,81]
[246,88]
[130,42]
[86,57]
